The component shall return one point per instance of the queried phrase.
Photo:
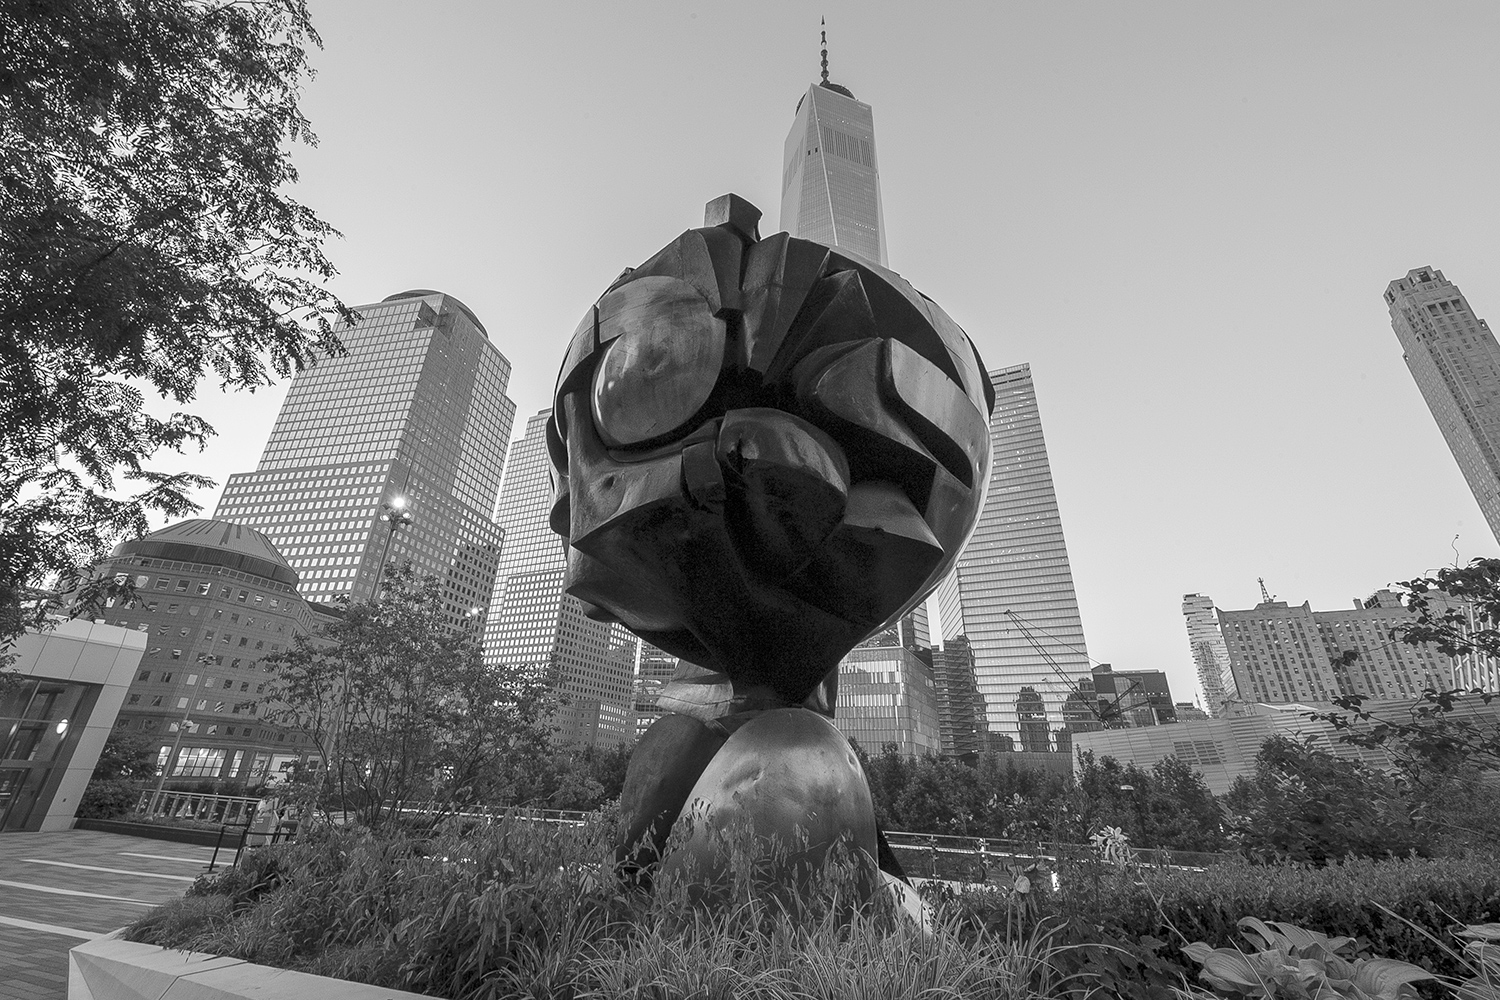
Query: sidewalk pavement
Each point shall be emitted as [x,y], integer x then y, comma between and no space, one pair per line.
[57,889]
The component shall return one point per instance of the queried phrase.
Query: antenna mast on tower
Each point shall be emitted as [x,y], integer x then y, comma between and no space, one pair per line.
[823,22]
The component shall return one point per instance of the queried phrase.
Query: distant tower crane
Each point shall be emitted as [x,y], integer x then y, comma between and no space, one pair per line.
[1265,597]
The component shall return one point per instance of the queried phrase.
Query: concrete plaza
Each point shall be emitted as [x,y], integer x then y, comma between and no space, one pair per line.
[58,889]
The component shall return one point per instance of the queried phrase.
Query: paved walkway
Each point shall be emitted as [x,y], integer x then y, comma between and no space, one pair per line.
[57,889]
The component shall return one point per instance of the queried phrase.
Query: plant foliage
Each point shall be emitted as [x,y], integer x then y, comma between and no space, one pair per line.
[401,706]
[147,240]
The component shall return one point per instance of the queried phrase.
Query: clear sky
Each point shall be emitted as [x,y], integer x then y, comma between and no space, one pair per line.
[1183,215]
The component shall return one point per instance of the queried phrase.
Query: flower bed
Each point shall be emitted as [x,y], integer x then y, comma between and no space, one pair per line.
[513,908]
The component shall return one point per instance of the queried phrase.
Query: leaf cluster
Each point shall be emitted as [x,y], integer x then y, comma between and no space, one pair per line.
[1166,805]
[511,909]
[1304,804]
[401,706]
[147,240]
[1289,961]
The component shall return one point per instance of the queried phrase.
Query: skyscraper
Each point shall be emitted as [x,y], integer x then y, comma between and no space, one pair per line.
[962,719]
[1456,362]
[1016,600]
[887,690]
[1210,655]
[533,623]
[414,411]
[1281,653]
[830,178]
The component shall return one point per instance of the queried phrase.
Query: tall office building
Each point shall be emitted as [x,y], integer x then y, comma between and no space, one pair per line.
[1456,362]
[533,623]
[830,178]
[1280,653]
[414,411]
[1016,604]
[963,722]
[1210,655]
[888,690]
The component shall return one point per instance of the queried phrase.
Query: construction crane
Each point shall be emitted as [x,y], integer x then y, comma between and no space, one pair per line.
[1264,597]
[1109,715]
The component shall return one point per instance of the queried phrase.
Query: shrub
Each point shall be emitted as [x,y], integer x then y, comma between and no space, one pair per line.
[109,798]
[1127,926]
[513,909]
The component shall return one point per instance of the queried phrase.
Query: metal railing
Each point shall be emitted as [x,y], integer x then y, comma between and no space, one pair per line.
[200,807]
[419,810]
[981,859]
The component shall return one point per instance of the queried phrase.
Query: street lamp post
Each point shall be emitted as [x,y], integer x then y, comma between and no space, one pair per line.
[166,769]
[395,514]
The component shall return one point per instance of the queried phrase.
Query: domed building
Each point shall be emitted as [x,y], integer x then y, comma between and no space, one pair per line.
[215,599]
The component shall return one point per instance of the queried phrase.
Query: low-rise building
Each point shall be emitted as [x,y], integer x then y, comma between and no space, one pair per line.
[1223,749]
[214,600]
[58,703]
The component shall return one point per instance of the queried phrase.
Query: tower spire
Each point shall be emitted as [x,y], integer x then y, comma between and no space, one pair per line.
[823,22]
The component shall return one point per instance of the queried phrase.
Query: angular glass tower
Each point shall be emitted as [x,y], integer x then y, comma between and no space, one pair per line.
[1015,588]
[534,624]
[415,408]
[1456,362]
[830,179]
[1210,655]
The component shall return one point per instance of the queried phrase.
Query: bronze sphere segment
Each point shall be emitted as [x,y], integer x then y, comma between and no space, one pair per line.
[788,777]
[764,450]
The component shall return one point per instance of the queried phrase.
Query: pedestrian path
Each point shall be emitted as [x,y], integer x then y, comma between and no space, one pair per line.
[57,889]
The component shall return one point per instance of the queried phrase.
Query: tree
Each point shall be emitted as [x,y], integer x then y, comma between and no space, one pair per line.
[126,755]
[146,241]
[1305,804]
[399,705]
[1165,806]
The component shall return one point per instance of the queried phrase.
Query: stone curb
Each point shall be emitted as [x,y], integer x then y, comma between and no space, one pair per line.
[109,968]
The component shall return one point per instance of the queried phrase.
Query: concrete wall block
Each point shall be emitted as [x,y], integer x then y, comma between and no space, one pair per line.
[123,970]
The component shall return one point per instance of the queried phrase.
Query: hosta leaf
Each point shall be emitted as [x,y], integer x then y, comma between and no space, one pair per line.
[1338,968]
[1260,935]
[1480,932]
[1198,951]
[1304,941]
[1227,969]
[1384,977]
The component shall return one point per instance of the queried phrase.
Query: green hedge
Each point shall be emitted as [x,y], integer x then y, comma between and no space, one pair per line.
[109,798]
[514,909]
[1147,914]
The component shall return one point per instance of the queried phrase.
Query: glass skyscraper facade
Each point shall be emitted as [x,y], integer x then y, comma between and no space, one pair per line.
[830,181]
[534,624]
[415,408]
[1016,602]
[1456,363]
